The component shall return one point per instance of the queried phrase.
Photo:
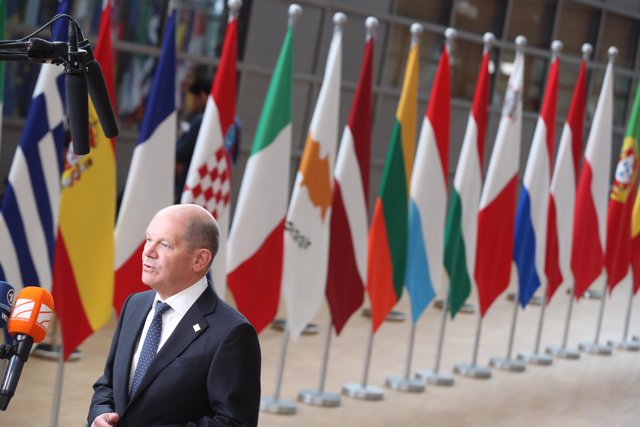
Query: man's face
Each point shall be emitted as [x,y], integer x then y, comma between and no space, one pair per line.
[167,259]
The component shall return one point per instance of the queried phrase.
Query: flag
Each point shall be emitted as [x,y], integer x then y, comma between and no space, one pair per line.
[3,18]
[617,257]
[529,245]
[428,204]
[460,229]
[387,246]
[494,247]
[306,239]
[31,199]
[587,254]
[562,193]
[149,186]
[635,244]
[348,228]
[208,182]
[255,245]
[84,249]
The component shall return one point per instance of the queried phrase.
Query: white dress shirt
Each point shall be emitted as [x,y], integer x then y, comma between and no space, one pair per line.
[180,303]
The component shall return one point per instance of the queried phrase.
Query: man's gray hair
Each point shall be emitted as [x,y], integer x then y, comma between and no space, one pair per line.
[203,232]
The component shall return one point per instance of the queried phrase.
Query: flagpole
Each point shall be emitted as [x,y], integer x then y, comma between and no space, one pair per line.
[362,390]
[57,390]
[319,397]
[625,343]
[562,350]
[507,363]
[536,357]
[274,404]
[405,382]
[472,370]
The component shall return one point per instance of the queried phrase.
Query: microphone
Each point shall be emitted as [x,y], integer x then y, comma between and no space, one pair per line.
[28,323]
[77,96]
[98,89]
[6,302]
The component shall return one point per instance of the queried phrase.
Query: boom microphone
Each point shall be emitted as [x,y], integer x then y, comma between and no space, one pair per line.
[28,323]
[6,302]
[98,88]
[77,96]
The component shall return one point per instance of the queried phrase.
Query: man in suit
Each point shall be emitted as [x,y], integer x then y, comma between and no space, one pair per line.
[180,356]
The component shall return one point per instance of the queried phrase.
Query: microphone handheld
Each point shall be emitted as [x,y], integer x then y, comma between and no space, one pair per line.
[7,294]
[77,96]
[28,323]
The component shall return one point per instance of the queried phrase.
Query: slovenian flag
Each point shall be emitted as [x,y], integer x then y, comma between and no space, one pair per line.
[348,228]
[306,239]
[149,186]
[208,182]
[589,225]
[563,190]
[387,250]
[460,229]
[255,244]
[529,248]
[494,248]
[428,205]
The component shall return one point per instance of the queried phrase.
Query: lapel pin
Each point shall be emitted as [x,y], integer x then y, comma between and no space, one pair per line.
[196,327]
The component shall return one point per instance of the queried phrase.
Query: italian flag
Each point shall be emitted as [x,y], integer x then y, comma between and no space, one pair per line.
[387,250]
[460,229]
[255,245]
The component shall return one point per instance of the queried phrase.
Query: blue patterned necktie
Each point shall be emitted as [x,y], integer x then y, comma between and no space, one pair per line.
[150,346]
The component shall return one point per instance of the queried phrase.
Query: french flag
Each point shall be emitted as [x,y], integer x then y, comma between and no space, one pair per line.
[530,232]
[149,186]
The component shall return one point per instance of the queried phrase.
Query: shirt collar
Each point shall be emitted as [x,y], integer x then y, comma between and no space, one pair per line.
[183,300]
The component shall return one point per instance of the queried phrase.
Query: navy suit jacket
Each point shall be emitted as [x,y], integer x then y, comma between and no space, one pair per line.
[204,375]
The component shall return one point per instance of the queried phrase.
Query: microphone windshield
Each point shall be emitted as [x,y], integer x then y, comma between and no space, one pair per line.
[31,313]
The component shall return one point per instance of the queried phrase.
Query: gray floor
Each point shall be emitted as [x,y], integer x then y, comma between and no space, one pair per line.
[593,391]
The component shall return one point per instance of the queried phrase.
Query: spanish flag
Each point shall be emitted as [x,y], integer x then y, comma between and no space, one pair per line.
[84,250]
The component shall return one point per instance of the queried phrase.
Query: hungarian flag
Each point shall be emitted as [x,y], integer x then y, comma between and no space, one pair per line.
[387,246]
[428,204]
[31,200]
[460,229]
[635,244]
[255,244]
[149,186]
[617,257]
[348,227]
[208,181]
[562,193]
[531,217]
[589,239]
[494,248]
[84,253]
[306,239]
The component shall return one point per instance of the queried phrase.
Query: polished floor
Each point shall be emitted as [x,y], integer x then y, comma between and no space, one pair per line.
[592,391]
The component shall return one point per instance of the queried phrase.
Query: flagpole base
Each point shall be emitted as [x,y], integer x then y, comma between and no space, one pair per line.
[277,406]
[465,308]
[535,358]
[535,300]
[319,398]
[628,345]
[472,371]
[636,338]
[358,391]
[563,352]
[52,352]
[595,348]
[509,365]
[309,329]
[400,383]
[435,378]
[393,316]
[592,294]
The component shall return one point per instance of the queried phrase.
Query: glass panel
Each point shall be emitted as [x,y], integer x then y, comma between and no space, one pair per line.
[566,85]
[622,32]
[532,19]
[465,64]
[479,16]
[621,87]
[578,24]
[430,11]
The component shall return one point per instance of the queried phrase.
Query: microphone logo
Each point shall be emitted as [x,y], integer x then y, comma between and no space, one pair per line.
[23,312]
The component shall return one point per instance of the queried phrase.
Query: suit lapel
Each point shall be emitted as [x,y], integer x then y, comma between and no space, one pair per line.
[186,331]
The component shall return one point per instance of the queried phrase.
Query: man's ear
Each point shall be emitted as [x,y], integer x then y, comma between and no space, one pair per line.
[202,259]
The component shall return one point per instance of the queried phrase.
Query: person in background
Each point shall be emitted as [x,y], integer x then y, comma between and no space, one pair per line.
[195,103]
[180,355]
